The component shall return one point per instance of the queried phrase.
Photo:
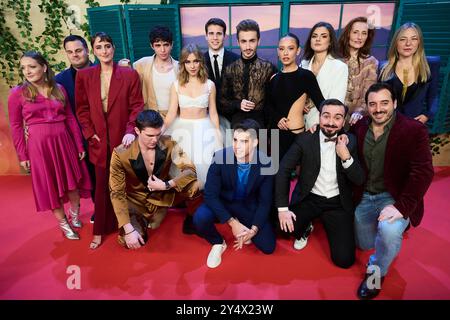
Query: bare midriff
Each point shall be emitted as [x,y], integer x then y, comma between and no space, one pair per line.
[296,121]
[193,113]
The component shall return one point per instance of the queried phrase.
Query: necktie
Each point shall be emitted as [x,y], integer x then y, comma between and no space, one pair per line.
[330,139]
[216,67]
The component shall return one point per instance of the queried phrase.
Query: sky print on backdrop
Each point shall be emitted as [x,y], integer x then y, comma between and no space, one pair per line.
[302,18]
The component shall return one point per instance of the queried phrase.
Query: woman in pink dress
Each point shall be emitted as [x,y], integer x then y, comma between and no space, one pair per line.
[53,149]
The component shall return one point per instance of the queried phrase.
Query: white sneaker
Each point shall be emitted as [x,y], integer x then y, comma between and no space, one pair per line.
[215,255]
[300,243]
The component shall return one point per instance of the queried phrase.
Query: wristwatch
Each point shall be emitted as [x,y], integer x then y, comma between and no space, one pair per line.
[167,185]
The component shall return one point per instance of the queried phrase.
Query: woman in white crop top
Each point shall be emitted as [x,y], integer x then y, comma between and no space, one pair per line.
[196,129]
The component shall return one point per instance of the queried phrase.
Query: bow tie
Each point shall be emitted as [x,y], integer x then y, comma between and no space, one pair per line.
[330,139]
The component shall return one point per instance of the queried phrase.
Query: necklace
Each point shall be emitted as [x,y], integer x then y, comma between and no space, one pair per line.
[163,67]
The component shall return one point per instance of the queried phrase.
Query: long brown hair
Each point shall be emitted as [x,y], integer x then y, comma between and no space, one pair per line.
[29,91]
[420,63]
[183,75]
[308,53]
[344,40]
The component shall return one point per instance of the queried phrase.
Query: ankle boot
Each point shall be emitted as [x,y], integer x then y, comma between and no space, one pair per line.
[74,220]
[67,230]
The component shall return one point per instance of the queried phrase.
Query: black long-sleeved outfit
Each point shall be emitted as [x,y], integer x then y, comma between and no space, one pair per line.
[284,89]
[246,79]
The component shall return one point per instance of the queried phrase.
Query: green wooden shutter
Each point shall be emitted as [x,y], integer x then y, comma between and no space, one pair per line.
[433,18]
[140,19]
[110,19]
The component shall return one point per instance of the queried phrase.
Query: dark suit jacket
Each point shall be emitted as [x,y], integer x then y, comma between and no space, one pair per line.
[124,103]
[408,167]
[221,185]
[424,100]
[228,58]
[305,151]
[65,79]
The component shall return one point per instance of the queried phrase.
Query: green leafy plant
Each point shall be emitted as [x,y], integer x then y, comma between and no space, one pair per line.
[85,26]
[48,43]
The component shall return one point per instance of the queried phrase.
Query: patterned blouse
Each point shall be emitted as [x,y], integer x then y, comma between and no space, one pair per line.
[360,78]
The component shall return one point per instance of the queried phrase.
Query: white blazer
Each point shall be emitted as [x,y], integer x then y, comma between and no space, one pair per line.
[332,79]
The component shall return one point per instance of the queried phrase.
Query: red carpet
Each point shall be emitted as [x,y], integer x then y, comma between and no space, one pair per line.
[34,259]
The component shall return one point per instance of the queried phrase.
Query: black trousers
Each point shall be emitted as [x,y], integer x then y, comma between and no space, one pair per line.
[337,222]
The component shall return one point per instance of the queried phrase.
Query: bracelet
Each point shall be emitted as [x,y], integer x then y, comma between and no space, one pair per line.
[130,232]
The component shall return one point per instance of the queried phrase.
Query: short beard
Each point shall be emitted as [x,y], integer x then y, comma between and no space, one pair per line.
[328,135]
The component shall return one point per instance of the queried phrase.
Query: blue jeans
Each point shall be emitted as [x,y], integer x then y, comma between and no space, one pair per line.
[384,236]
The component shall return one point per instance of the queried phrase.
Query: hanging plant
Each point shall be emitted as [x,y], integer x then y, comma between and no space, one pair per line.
[11,48]
[85,26]
[48,43]
[8,51]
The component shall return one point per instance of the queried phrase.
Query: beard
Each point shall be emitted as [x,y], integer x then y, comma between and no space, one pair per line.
[327,133]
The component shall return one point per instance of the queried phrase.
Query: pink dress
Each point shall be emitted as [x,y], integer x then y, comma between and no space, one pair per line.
[52,147]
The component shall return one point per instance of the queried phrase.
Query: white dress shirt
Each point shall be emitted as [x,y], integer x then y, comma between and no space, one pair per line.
[326,184]
[221,52]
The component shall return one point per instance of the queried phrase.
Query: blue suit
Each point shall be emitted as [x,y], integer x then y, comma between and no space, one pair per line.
[66,79]
[221,203]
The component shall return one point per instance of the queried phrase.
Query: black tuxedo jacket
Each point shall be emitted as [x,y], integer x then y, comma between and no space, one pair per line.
[228,58]
[305,151]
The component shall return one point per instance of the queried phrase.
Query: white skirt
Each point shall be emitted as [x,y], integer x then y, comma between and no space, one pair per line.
[199,139]
[226,131]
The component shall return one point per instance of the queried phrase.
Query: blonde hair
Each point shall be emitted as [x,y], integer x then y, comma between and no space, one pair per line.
[183,75]
[420,64]
[30,92]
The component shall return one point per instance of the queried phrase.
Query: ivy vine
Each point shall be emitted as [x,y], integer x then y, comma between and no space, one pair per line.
[49,43]
[85,26]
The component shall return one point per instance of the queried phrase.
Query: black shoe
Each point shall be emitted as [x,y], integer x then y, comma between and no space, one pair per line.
[366,290]
[92,218]
[188,225]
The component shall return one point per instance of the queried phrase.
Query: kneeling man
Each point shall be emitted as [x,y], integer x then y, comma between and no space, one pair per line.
[238,192]
[141,184]
[328,170]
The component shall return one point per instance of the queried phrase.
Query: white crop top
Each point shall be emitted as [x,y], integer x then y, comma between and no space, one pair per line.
[201,101]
